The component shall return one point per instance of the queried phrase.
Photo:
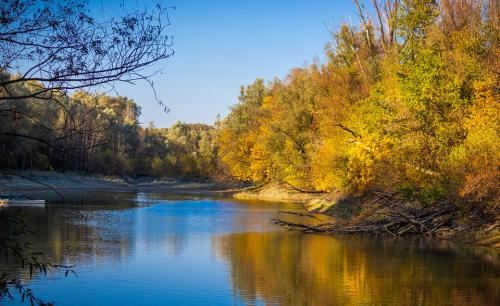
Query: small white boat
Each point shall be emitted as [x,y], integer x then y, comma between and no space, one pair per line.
[17,199]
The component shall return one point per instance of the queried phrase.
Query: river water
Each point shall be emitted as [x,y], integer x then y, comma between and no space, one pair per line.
[158,249]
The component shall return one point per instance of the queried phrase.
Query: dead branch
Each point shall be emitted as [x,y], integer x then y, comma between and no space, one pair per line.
[299,226]
[388,215]
[299,214]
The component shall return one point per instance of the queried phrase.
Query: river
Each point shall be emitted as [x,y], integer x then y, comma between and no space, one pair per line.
[159,249]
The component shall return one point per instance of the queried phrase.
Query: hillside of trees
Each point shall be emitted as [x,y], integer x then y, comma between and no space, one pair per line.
[406,101]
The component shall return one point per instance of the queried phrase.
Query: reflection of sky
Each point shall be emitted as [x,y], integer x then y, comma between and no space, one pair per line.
[206,252]
[160,252]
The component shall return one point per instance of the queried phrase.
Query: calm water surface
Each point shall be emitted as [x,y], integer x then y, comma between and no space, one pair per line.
[155,249]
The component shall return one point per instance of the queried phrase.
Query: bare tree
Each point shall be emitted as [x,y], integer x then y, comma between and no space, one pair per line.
[49,49]
[386,15]
[56,46]
[387,19]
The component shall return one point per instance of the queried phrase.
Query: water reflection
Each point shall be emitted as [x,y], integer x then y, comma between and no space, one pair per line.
[291,269]
[154,249]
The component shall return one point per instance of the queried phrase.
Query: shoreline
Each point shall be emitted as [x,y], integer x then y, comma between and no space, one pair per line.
[32,181]
[356,215]
[331,206]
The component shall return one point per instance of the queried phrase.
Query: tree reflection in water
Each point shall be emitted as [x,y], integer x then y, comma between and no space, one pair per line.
[292,269]
[136,249]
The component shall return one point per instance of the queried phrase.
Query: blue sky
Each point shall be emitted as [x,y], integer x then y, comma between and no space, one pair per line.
[221,45]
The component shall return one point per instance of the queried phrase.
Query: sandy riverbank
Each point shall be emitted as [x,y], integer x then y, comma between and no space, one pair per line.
[19,181]
[16,182]
[313,202]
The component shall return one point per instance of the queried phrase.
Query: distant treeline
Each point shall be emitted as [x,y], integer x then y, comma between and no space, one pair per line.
[100,134]
[407,102]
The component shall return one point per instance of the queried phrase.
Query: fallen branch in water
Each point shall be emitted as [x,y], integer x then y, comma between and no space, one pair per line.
[390,216]
[299,214]
[299,226]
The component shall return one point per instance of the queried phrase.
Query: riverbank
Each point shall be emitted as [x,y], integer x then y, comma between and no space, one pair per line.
[317,202]
[361,214]
[383,214]
[22,181]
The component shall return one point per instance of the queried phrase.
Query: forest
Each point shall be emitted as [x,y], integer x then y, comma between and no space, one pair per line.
[407,105]
[406,101]
[101,134]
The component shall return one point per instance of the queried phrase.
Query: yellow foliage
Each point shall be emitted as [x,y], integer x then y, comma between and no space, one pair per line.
[417,114]
[481,154]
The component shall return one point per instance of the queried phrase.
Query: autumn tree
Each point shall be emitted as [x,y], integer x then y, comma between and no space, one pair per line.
[405,103]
